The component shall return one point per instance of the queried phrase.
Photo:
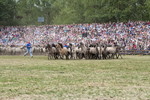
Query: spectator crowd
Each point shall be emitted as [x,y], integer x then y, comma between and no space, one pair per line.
[133,35]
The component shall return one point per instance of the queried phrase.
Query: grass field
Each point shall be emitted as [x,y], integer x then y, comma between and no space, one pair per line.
[25,78]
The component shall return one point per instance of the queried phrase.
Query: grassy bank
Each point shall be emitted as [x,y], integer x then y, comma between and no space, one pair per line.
[25,78]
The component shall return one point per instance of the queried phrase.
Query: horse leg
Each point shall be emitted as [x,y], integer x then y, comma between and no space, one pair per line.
[48,56]
[104,56]
[67,57]
[80,56]
[57,55]
[75,56]
[112,56]
[54,55]
[119,55]
[84,56]
[61,56]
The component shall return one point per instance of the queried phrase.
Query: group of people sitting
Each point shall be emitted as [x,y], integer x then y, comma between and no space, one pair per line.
[132,35]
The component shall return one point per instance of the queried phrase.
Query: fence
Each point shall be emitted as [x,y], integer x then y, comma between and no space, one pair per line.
[135,52]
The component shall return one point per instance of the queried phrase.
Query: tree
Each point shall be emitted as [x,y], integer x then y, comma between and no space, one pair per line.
[71,11]
[26,12]
[7,12]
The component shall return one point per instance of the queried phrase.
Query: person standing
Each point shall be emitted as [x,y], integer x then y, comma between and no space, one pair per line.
[29,49]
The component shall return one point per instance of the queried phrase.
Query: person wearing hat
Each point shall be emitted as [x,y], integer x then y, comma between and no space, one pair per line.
[29,49]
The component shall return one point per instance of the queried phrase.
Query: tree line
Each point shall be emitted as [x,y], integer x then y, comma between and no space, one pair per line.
[26,12]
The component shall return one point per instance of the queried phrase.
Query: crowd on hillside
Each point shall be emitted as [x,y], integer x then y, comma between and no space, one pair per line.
[133,35]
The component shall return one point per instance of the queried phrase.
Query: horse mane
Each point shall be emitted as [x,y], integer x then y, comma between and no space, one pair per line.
[60,45]
[81,43]
[93,45]
[70,44]
[48,46]
[53,45]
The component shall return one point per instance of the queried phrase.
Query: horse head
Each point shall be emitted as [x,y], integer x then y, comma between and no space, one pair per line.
[60,44]
[48,47]
[53,45]
[58,47]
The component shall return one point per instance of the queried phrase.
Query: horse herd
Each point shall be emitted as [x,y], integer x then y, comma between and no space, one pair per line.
[71,51]
[83,51]
[20,50]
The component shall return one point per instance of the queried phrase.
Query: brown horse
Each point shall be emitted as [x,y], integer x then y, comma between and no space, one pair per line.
[63,51]
[52,52]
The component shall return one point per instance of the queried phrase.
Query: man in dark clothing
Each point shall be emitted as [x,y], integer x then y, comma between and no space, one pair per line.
[29,49]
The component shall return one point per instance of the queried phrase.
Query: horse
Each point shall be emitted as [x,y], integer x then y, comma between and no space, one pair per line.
[93,51]
[114,51]
[103,53]
[52,52]
[76,51]
[63,51]
[18,50]
[70,50]
[119,48]
[84,50]
[2,50]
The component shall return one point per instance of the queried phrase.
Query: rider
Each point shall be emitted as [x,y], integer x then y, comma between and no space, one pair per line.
[66,45]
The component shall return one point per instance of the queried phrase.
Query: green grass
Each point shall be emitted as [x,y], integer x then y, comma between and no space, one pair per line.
[25,78]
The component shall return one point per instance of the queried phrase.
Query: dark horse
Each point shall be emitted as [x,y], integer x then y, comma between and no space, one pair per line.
[52,51]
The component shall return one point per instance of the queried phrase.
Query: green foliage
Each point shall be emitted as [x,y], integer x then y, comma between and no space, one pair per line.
[69,13]
[7,12]
[73,11]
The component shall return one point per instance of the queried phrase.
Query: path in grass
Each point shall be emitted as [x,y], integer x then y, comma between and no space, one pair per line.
[24,78]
